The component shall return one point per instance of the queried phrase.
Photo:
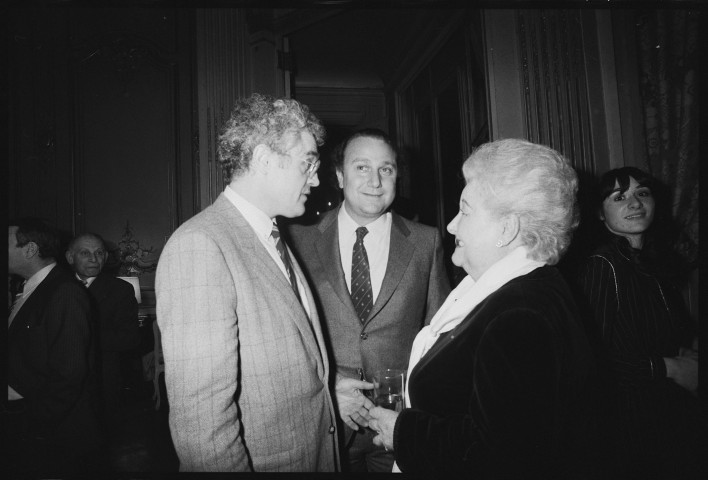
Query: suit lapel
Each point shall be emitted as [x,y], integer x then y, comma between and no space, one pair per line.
[99,287]
[313,323]
[399,256]
[35,300]
[262,262]
[327,246]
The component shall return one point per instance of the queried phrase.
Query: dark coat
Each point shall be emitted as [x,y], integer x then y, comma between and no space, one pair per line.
[117,313]
[655,427]
[119,333]
[505,394]
[52,364]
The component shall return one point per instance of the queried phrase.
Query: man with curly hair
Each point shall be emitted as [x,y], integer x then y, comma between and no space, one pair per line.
[245,363]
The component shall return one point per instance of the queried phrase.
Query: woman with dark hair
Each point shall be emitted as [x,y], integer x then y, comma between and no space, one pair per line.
[648,350]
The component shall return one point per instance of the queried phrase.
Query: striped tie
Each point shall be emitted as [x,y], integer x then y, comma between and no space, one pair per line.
[362,296]
[285,257]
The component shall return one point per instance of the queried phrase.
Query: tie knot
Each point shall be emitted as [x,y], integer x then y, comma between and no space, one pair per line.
[275,233]
[361,233]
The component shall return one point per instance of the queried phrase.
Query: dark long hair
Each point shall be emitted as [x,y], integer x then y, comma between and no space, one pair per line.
[661,238]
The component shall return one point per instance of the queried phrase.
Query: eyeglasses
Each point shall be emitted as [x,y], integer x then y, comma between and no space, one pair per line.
[312,167]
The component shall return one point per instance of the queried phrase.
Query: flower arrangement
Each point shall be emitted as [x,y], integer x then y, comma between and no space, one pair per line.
[132,257]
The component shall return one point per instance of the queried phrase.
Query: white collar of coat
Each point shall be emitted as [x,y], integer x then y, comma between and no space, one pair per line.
[465,297]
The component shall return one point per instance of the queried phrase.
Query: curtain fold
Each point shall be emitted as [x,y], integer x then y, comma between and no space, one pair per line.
[668,56]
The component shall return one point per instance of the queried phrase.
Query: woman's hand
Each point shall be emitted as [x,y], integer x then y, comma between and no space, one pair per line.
[382,421]
[353,405]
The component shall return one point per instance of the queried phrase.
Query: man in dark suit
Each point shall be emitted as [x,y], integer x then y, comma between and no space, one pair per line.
[50,417]
[118,327]
[378,278]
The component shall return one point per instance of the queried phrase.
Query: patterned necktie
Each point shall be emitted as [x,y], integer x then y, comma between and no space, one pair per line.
[285,257]
[362,296]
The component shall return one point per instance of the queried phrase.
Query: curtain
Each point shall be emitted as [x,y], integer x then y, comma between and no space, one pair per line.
[668,57]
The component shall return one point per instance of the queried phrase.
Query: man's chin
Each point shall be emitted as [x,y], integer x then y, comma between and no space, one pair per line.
[295,212]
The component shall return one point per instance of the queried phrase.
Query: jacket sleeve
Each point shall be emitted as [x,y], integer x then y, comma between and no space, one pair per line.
[438,283]
[512,412]
[196,314]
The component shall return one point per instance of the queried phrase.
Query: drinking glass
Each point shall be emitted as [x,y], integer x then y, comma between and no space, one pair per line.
[390,388]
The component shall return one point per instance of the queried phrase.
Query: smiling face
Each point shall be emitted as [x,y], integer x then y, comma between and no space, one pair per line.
[289,182]
[368,179]
[630,213]
[87,257]
[476,233]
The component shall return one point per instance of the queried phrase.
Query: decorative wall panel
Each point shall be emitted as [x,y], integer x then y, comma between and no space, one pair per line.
[126,137]
[222,77]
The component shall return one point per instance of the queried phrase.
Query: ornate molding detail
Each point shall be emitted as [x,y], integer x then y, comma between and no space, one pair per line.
[127,53]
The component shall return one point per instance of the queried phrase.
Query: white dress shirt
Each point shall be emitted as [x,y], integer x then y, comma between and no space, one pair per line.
[262,225]
[377,243]
[87,283]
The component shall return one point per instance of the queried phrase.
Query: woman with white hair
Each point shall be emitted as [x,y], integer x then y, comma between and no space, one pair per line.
[499,382]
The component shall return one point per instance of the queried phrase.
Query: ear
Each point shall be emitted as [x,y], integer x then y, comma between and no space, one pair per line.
[69,257]
[340,179]
[31,249]
[510,228]
[261,158]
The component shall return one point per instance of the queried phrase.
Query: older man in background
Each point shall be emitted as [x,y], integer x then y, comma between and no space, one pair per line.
[118,326]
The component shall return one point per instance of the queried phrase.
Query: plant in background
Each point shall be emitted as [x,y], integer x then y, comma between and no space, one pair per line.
[133,259]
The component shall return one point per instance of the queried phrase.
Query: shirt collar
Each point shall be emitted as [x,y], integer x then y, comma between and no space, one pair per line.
[259,221]
[348,226]
[86,282]
[37,278]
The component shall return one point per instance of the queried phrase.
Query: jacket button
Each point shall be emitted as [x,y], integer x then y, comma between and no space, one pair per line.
[331,429]
[364,335]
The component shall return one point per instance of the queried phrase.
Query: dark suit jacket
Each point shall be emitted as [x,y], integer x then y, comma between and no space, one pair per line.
[117,313]
[507,393]
[51,363]
[413,288]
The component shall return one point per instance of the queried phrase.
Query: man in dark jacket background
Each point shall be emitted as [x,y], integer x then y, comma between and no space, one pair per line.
[49,419]
[118,327]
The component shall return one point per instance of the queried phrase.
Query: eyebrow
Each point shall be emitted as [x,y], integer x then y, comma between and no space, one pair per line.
[619,190]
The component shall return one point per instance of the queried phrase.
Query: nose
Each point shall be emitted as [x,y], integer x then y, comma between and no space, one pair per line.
[452,226]
[375,179]
[314,180]
[635,201]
